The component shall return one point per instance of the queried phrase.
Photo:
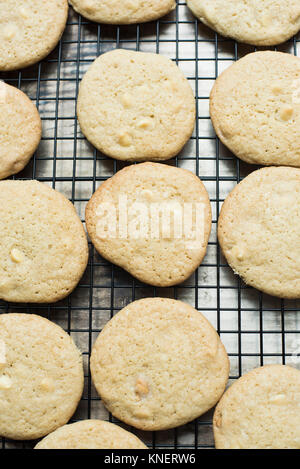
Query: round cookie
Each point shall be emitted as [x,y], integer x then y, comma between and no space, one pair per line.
[41,376]
[159,364]
[255,108]
[258,230]
[152,220]
[257,22]
[21,130]
[91,434]
[123,11]
[29,31]
[43,245]
[260,411]
[136,106]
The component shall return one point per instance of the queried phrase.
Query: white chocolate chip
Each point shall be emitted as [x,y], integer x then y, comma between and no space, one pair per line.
[132,5]
[278,399]
[277,88]
[5,382]
[240,256]
[2,354]
[148,195]
[177,107]
[286,113]
[9,31]
[125,139]
[141,388]
[24,13]
[126,100]
[47,385]
[144,123]
[238,252]
[142,413]
[16,255]
[87,5]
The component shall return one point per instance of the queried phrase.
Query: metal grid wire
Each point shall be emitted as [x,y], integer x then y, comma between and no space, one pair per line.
[255,328]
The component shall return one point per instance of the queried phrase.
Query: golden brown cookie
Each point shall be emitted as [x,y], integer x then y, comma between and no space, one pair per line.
[29,30]
[41,376]
[260,411]
[123,11]
[152,220]
[159,364]
[20,130]
[257,22]
[91,434]
[136,106]
[43,245]
[258,230]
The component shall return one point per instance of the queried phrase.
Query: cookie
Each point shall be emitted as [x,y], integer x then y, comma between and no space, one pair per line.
[136,106]
[29,31]
[152,220]
[123,11]
[41,376]
[258,230]
[21,130]
[91,434]
[257,22]
[255,108]
[43,245]
[260,411]
[159,364]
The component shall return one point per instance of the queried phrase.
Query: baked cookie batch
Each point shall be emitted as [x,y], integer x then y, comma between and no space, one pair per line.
[158,363]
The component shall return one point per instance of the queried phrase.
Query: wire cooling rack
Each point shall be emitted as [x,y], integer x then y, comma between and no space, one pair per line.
[255,328]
